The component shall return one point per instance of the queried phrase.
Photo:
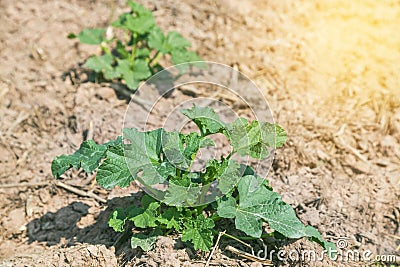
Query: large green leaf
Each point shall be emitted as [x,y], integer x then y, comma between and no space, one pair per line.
[181,149]
[88,156]
[114,171]
[156,40]
[258,203]
[143,155]
[100,63]
[255,139]
[92,36]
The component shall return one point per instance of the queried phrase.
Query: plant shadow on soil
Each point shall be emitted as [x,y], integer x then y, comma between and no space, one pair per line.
[164,83]
[62,226]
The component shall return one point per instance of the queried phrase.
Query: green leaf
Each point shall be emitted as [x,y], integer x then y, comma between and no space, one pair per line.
[258,203]
[198,232]
[143,154]
[145,242]
[226,172]
[192,144]
[114,171]
[120,22]
[125,70]
[171,218]
[206,119]
[147,215]
[156,40]
[110,74]
[147,145]
[158,173]
[315,236]
[92,36]
[180,149]
[88,157]
[228,176]
[142,53]
[138,8]
[227,207]
[182,194]
[117,220]
[141,69]
[175,41]
[255,139]
[133,74]
[140,24]
[182,55]
[100,63]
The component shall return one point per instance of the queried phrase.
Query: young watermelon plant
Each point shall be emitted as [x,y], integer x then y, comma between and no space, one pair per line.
[135,57]
[161,157]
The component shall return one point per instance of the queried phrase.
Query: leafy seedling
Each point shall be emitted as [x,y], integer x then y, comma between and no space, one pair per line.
[161,157]
[135,57]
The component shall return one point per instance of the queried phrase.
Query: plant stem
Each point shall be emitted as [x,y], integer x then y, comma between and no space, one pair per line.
[155,58]
[105,49]
[133,52]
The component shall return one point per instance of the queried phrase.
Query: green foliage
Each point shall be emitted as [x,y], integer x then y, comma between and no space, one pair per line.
[135,57]
[159,156]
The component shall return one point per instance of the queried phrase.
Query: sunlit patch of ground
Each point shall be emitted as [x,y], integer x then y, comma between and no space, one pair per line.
[353,45]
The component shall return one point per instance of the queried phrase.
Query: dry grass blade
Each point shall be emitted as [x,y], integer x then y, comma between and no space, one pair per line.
[214,248]
[80,192]
[24,184]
